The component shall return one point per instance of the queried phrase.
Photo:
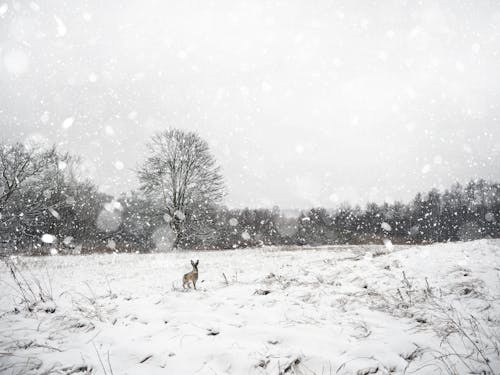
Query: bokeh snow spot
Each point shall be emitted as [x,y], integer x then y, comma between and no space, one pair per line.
[245,235]
[3,9]
[67,123]
[119,165]
[489,216]
[61,27]
[62,165]
[110,218]
[233,222]
[426,168]
[48,238]
[109,130]
[54,213]
[385,226]
[163,238]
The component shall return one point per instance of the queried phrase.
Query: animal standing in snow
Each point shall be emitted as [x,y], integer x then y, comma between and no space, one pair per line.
[191,276]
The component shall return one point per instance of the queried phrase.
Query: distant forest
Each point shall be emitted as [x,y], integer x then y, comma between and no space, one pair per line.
[47,207]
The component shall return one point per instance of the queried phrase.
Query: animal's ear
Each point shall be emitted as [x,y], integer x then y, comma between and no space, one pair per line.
[197,261]
[192,263]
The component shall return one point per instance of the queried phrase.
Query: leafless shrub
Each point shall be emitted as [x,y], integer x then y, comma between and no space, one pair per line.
[234,278]
[291,367]
[225,278]
[82,369]
[26,344]
[91,307]
[281,280]
[102,363]
[34,294]
[363,331]
[466,342]
[376,367]
[409,357]
[379,252]
[18,365]
[262,363]
[262,292]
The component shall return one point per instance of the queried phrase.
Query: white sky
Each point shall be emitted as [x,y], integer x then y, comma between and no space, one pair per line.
[304,103]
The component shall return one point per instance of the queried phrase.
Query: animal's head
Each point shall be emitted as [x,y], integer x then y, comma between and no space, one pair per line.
[195,265]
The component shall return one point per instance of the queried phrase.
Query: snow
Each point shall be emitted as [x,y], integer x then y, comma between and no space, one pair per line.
[62,165]
[87,16]
[48,238]
[3,9]
[313,310]
[34,6]
[245,235]
[119,165]
[163,238]
[109,130]
[109,221]
[54,213]
[67,123]
[61,27]
[385,226]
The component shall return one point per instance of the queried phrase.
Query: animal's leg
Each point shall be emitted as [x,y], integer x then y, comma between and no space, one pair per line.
[194,284]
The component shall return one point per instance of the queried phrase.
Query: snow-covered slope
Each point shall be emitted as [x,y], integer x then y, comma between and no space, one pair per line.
[345,310]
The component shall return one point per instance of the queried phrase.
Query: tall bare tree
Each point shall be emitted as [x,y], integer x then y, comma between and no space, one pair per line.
[20,165]
[183,175]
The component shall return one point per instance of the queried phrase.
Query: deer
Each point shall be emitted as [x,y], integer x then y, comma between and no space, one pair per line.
[191,276]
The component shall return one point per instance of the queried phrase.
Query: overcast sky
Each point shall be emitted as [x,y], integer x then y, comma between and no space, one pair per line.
[304,103]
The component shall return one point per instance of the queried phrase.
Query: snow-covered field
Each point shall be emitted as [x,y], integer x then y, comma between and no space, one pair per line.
[345,310]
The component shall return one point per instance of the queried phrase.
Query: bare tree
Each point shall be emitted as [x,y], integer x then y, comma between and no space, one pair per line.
[40,194]
[182,173]
[19,165]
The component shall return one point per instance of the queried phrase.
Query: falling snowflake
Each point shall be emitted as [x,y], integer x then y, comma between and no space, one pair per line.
[61,27]
[67,123]
[48,238]
[385,226]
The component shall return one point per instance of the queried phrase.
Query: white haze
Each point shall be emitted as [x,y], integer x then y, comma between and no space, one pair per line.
[303,103]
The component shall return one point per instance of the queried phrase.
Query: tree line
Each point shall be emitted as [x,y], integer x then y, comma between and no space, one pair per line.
[46,205]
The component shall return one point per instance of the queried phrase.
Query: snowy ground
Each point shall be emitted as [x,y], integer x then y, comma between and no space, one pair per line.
[344,310]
